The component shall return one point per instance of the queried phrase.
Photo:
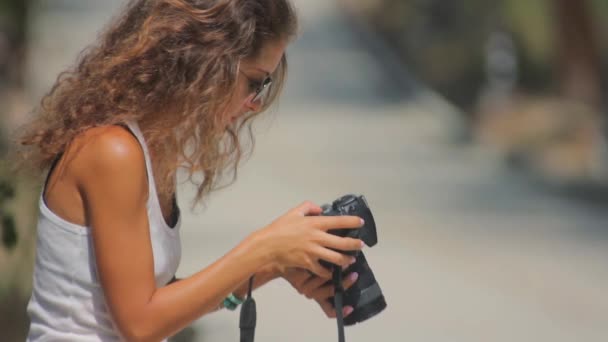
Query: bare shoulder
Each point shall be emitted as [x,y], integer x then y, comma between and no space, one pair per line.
[108,153]
[106,147]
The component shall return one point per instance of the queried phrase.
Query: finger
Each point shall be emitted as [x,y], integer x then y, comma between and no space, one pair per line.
[341,243]
[328,308]
[312,285]
[314,282]
[350,280]
[320,271]
[297,277]
[337,222]
[298,283]
[334,257]
[307,208]
[324,292]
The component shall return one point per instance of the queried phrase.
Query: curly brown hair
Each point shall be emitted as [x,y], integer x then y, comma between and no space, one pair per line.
[173,65]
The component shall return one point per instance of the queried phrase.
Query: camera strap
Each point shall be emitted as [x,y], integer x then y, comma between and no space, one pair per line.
[248,315]
[339,301]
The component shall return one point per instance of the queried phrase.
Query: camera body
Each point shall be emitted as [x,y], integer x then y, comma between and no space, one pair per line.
[351,205]
[365,296]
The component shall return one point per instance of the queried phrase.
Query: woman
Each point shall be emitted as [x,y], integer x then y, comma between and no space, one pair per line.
[169,85]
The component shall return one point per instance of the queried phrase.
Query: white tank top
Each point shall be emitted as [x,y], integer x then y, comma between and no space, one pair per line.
[67,302]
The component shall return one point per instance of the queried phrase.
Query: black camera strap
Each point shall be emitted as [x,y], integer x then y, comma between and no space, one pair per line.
[339,302]
[248,317]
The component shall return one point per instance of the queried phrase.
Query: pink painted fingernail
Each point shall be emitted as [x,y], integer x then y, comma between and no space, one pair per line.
[353,276]
[348,310]
[362,222]
[353,260]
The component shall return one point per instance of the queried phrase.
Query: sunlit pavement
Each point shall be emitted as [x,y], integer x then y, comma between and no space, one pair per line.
[468,251]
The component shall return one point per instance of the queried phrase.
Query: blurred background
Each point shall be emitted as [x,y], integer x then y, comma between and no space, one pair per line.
[476,130]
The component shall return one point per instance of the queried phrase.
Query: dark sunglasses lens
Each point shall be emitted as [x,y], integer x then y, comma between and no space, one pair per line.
[261,93]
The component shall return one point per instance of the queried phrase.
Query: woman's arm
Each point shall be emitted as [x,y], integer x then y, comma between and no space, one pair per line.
[261,278]
[113,182]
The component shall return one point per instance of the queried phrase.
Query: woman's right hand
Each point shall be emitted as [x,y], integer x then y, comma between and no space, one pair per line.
[299,239]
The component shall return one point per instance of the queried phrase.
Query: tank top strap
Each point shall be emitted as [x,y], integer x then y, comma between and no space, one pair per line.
[134,128]
[153,201]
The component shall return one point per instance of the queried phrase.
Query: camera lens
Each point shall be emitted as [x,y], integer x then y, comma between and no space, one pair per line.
[365,295]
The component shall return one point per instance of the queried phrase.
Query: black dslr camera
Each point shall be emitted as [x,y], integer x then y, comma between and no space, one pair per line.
[365,295]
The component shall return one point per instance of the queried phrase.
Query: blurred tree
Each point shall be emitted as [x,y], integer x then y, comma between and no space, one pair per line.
[528,74]
[443,42]
[12,37]
[579,67]
[439,40]
[7,221]
[557,132]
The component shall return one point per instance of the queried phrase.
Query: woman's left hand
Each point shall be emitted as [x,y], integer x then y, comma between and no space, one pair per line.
[319,289]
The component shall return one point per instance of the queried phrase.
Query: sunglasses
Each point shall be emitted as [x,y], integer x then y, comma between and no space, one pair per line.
[258,88]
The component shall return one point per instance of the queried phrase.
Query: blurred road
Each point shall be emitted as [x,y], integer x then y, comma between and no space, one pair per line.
[468,251]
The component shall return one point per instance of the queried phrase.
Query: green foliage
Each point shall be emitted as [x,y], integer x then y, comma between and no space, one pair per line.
[532,22]
[13,17]
[7,191]
[9,231]
[18,201]
[7,221]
